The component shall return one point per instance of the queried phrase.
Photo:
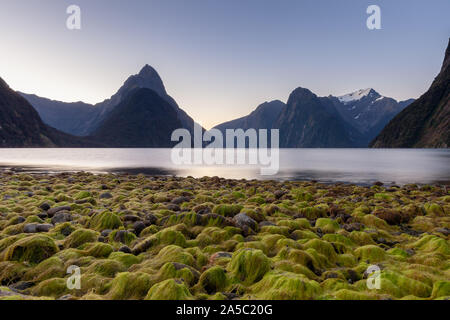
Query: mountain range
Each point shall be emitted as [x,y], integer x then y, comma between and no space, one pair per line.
[142,114]
[82,119]
[309,121]
[21,126]
[426,122]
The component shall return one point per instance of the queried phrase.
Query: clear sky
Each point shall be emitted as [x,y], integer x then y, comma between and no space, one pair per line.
[219,59]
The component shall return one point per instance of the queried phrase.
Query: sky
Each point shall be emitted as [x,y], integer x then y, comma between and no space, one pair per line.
[219,59]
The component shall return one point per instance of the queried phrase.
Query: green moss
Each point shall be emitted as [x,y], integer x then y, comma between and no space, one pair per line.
[441,289]
[130,286]
[82,195]
[128,238]
[313,212]
[33,249]
[249,265]
[346,294]
[105,220]
[98,249]
[286,286]
[383,196]
[171,237]
[213,280]
[170,289]
[323,248]
[125,258]
[289,266]
[173,253]
[361,238]
[227,210]
[55,288]
[304,234]
[12,271]
[346,260]
[52,267]
[327,225]
[432,244]
[105,267]
[399,285]
[370,253]
[434,209]
[373,221]
[171,270]
[398,253]
[80,237]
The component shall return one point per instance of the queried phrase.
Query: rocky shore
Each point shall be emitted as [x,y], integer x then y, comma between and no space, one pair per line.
[141,237]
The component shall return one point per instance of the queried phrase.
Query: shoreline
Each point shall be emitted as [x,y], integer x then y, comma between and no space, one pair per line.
[164,237]
[165,172]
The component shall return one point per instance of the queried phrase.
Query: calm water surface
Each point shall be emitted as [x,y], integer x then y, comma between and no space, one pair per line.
[361,166]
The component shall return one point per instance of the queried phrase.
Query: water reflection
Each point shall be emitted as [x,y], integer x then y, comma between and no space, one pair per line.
[359,166]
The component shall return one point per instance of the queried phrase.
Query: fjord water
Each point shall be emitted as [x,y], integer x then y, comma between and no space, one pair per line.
[359,166]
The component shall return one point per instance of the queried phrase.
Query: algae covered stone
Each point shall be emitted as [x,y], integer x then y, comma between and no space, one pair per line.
[249,265]
[33,249]
[171,289]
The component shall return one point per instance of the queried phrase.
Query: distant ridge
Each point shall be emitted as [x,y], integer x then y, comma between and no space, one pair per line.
[354,119]
[83,119]
[21,126]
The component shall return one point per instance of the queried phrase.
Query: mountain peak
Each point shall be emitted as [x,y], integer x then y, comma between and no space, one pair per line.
[148,70]
[358,95]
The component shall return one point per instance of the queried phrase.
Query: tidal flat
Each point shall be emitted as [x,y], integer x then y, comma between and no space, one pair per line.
[161,237]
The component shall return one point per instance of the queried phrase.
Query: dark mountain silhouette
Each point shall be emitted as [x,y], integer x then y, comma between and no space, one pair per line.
[83,119]
[73,118]
[361,115]
[426,122]
[308,121]
[21,126]
[262,117]
[142,119]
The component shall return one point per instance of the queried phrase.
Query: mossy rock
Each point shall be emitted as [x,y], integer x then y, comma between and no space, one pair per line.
[213,280]
[170,289]
[441,289]
[249,265]
[105,267]
[286,286]
[33,249]
[125,258]
[105,220]
[304,234]
[173,253]
[399,285]
[54,287]
[176,270]
[323,247]
[83,195]
[80,237]
[432,244]
[97,249]
[346,294]
[52,267]
[370,253]
[434,209]
[327,225]
[228,210]
[130,286]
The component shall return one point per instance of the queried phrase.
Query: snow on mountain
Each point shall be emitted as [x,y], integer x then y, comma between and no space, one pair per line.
[357,95]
